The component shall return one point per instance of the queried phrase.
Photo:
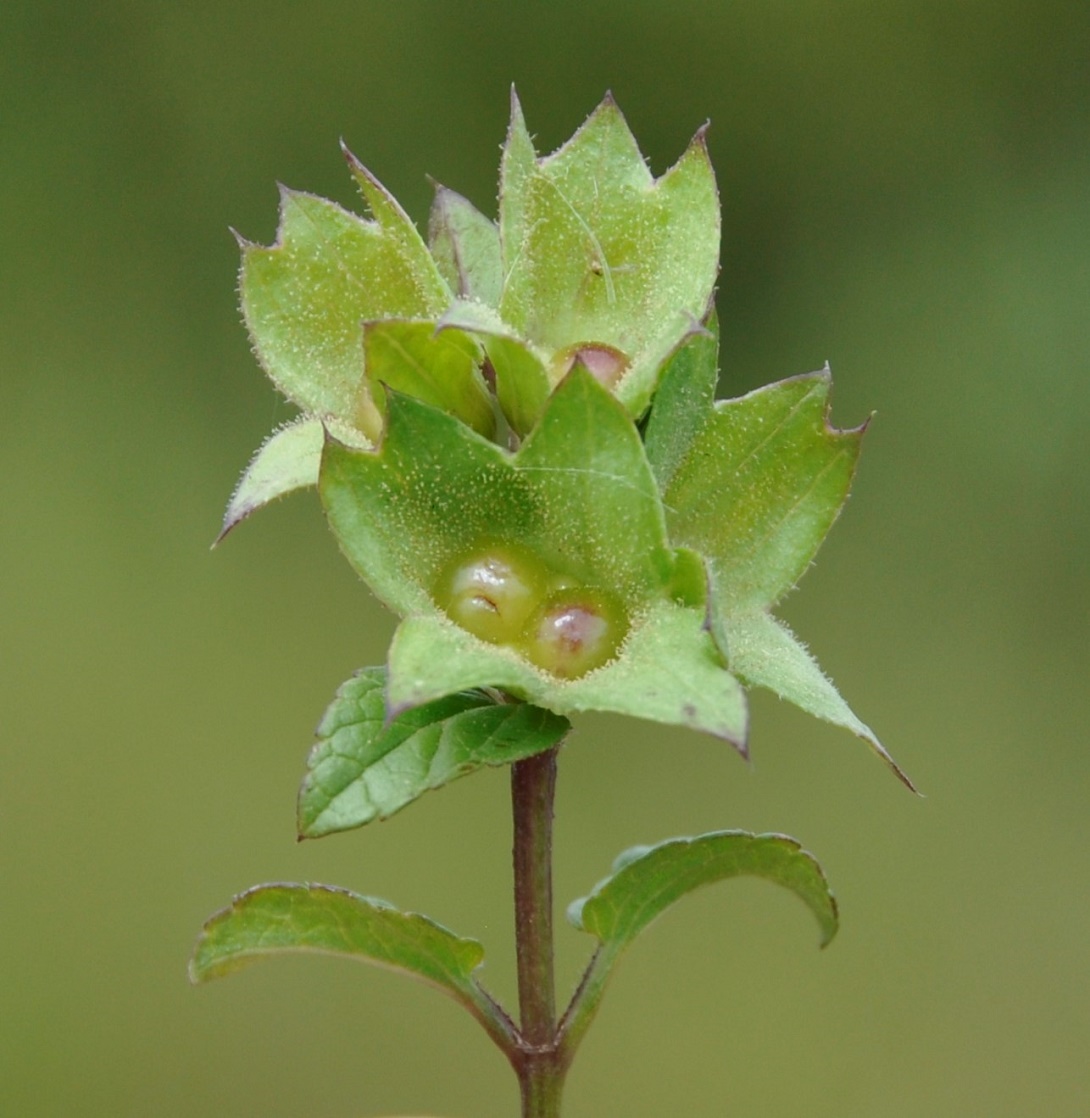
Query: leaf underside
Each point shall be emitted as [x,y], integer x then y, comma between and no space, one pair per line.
[273,920]
[648,880]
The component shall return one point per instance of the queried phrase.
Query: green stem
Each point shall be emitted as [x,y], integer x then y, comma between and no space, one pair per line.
[537,1061]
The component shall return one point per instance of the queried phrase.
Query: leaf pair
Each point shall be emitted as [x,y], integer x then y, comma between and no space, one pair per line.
[281,919]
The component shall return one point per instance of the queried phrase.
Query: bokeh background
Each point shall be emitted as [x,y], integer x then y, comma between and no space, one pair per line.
[906,187]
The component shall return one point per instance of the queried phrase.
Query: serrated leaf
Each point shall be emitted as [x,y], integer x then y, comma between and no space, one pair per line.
[598,253]
[760,486]
[648,880]
[305,297]
[273,920]
[366,767]
[466,247]
[439,367]
[763,652]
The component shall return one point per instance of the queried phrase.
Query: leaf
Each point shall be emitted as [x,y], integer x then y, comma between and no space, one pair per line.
[305,297]
[598,253]
[440,368]
[288,459]
[517,165]
[318,919]
[760,486]
[648,880]
[466,247]
[667,671]
[763,652]
[271,920]
[366,768]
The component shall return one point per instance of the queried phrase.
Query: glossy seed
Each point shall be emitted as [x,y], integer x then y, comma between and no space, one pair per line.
[575,632]
[493,594]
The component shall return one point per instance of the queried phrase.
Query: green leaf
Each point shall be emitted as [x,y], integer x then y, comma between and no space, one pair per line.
[668,670]
[763,652]
[760,486]
[318,919]
[366,767]
[288,459]
[271,920]
[305,297]
[466,247]
[440,368]
[517,165]
[754,488]
[648,880]
[598,253]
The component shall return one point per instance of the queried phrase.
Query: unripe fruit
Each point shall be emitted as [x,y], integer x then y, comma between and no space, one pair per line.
[575,631]
[493,594]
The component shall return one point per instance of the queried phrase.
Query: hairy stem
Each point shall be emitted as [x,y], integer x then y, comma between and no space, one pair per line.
[537,1061]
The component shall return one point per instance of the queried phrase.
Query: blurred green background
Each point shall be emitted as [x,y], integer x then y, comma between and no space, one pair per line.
[906,190]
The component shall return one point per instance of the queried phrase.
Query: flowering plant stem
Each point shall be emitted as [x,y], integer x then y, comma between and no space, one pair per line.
[538,1059]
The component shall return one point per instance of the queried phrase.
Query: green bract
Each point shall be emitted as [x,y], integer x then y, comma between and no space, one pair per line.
[470,411]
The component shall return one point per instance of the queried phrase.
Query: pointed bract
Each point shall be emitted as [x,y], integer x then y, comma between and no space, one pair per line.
[598,253]
[287,460]
[466,247]
[761,484]
[306,297]
[763,652]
